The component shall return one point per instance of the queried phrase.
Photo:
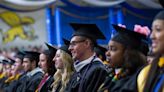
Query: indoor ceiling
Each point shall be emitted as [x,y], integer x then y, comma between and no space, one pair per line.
[39,4]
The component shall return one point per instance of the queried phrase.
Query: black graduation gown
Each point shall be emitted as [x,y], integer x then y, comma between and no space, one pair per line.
[32,82]
[88,79]
[47,85]
[2,82]
[126,84]
[12,87]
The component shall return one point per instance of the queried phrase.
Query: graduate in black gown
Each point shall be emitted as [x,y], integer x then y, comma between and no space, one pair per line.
[33,76]
[48,67]
[7,65]
[18,72]
[126,55]
[64,65]
[100,52]
[90,71]
[151,78]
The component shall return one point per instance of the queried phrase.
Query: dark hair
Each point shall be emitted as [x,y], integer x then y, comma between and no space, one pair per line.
[151,75]
[133,60]
[92,43]
[160,15]
[50,64]
[33,59]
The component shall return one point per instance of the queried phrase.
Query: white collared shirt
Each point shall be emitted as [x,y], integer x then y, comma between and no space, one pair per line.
[78,65]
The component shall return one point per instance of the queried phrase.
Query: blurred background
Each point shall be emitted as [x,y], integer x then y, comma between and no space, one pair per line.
[27,24]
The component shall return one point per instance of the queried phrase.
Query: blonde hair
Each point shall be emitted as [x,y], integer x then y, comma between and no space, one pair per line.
[63,75]
[1,67]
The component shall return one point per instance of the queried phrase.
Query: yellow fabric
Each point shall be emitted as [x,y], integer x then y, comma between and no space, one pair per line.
[17,76]
[2,75]
[161,62]
[36,90]
[142,78]
[106,62]
[12,78]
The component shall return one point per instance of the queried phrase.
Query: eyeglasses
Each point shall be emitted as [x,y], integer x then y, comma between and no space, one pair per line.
[73,43]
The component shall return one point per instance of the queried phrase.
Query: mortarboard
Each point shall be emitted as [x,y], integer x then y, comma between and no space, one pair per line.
[32,55]
[4,61]
[20,55]
[65,46]
[8,61]
[130,39]
[52,51]
[160,15]
[100,51]
[87,30]
[162,3]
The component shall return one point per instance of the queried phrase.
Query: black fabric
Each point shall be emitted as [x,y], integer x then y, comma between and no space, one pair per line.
[160,15]
[157,78]
[125,84]
[47,85]
[33,82]
[161,2]
[29,84]
[2,82]
[87,30]
[20,55]
[131,39]
[87,80]
[8,61]
[65,46]
[13,85]
[52,51]
[100,51]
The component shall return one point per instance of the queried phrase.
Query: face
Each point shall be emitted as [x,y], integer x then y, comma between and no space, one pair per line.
[58,60]
[13,72]
[157,37]
[18,65]
[115,54]
[8,69]
[27,64]
[43,62]
[77,47]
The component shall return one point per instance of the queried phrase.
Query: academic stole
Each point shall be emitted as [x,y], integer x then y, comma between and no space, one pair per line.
[46,77]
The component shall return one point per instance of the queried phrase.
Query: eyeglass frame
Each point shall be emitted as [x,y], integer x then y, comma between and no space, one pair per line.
[73,43]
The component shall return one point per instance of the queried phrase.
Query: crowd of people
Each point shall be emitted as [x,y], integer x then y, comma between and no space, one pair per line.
[128,64]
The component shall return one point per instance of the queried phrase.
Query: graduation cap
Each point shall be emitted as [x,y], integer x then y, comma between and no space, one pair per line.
[162,3]
[100,51]
[160,15]
[8,61]
[65,46]
[51,52]
[32,55]
[87,30]
[52,49]
[1,58]
[130,39]
[20,55]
